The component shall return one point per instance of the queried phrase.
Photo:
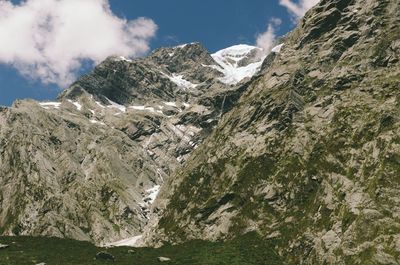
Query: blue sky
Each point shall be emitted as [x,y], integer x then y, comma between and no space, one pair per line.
[215,23]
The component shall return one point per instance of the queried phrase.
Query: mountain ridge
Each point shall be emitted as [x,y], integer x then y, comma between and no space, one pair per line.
[89,165]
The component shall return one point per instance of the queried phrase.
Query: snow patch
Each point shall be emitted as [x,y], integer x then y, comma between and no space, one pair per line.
[76,104]
[144,108]
[116,106]
[122,58]
[99,104]
[97,122]
[182,46]
[129,242]
[152,193]
[186,44]
[148,197]
[235,53]
[278,48]
[180,81]
[228,63]
[48,105]
[151,109]
[138,107]
[171,104]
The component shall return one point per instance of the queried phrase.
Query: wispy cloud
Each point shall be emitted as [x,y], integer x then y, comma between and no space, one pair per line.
[297,10]
[266,40]
[49,39]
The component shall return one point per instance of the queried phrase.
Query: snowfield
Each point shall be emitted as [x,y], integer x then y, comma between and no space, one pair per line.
[228,60]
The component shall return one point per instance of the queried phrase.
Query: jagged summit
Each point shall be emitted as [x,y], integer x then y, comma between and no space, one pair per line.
[191,51]
[167,73]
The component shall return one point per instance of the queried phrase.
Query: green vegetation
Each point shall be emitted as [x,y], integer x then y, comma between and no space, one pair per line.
[248,249]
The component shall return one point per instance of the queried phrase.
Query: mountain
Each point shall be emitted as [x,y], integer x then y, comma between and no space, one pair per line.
[90,165]
[292,157]
[309,157]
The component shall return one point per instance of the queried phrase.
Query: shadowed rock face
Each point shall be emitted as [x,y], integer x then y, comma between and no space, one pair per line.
[309,156]
[90,165]
[125,81]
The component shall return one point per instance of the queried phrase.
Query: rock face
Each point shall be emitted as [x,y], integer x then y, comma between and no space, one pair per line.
[90,165]
[310,155]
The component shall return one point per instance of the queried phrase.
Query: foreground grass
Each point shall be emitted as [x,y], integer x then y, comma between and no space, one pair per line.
[248,249]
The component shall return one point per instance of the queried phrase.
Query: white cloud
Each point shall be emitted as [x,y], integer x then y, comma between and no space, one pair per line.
[298,9]
[266,40]
[49,39]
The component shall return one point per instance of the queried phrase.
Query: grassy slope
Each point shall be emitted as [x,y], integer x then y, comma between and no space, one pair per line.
[248,249]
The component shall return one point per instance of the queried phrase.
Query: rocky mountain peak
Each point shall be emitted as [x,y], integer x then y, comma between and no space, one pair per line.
[167,74]
[185,54]
[94,160]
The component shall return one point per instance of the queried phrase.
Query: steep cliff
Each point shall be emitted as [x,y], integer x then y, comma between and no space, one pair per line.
[310,155]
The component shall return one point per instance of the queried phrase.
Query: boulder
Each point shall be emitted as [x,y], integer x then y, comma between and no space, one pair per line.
[104,256]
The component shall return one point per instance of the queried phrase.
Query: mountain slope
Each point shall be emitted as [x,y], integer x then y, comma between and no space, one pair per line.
[310,154]
[89,166]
